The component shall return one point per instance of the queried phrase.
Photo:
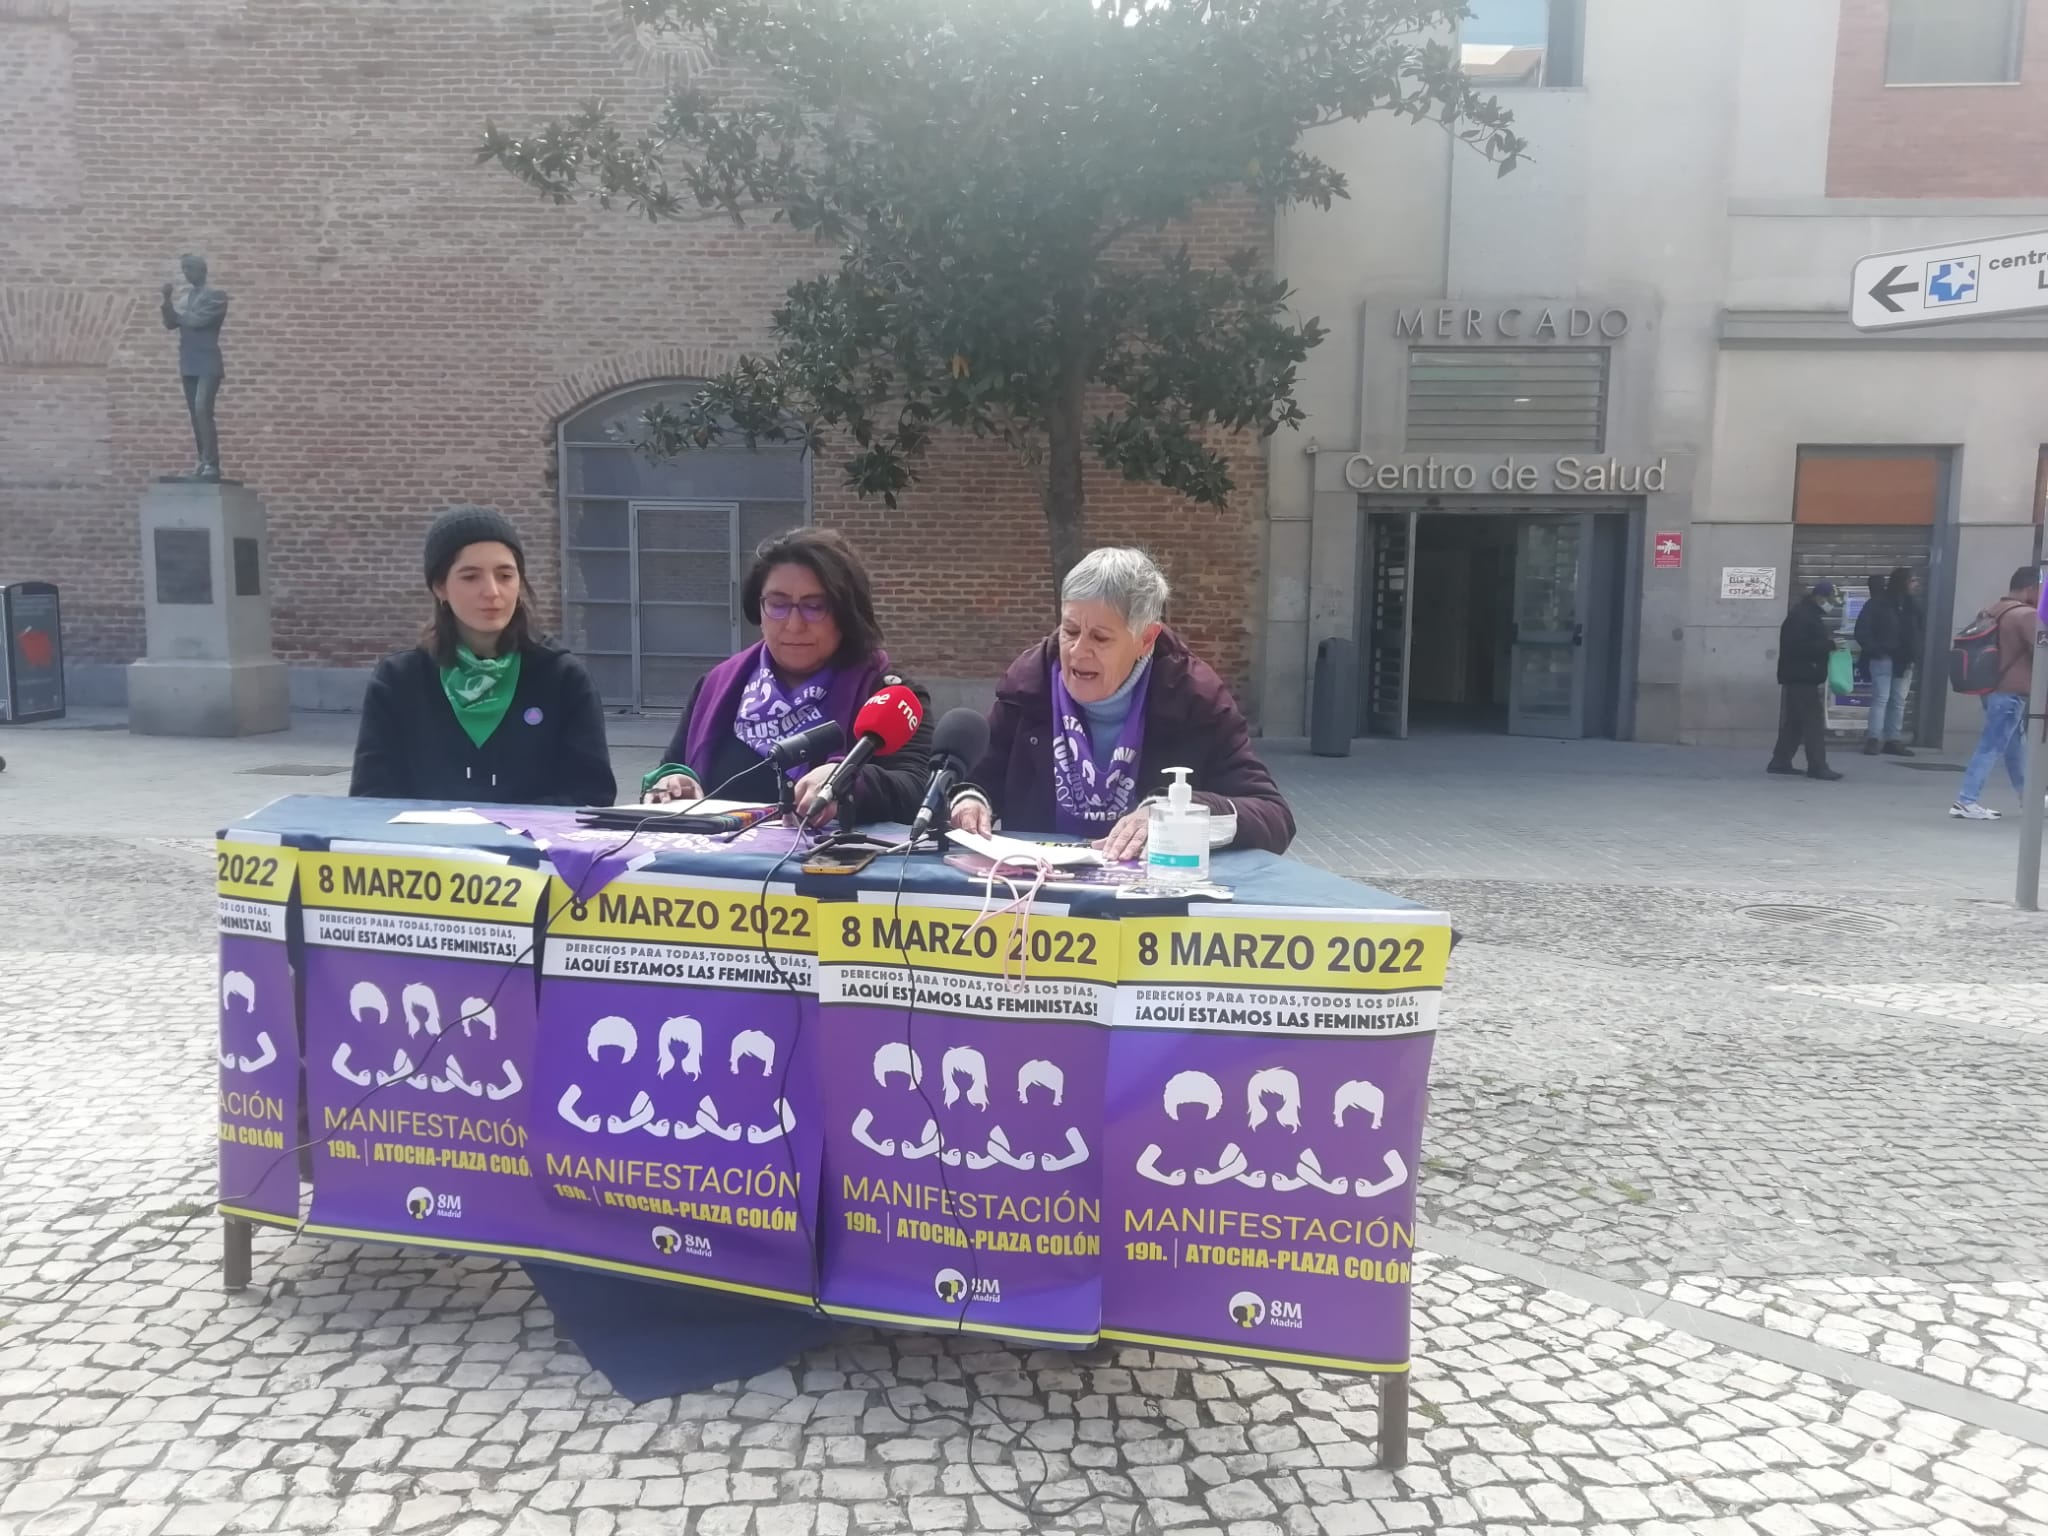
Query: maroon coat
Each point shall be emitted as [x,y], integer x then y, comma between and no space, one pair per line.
[1191,721]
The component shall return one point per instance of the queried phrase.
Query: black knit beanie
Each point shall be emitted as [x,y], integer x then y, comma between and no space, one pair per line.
[459,527]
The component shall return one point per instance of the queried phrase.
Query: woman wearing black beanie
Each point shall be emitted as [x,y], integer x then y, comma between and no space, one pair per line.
[483,709]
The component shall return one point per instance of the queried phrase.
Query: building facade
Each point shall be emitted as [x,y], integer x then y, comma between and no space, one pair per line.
[408,330]
[1582,431]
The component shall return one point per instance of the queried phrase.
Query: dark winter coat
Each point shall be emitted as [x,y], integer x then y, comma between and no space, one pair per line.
[1805,640]
[548,750]
[1891,628]
[1879,631]
[1191,721]
[1912,623]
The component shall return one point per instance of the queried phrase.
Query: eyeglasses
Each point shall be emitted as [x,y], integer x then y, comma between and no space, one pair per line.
[814,609]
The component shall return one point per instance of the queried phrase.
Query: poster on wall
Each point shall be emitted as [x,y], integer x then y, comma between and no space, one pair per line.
[420,1028]
[961,1067]
[676,1131]
[260,1129]
[1741,583]
[1267,1083]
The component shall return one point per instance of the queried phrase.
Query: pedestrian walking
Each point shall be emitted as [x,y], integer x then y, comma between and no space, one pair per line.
[2005,707]
[1805,640]
[1891,632]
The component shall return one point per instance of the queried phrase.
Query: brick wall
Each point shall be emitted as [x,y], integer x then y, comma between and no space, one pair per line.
[407,327]
[1934,141]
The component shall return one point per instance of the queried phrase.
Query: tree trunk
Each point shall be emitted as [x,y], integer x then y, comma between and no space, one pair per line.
[1065,509]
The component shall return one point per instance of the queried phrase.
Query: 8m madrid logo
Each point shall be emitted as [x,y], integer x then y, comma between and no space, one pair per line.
[1248,1310]
[952,1287]
[421,1202]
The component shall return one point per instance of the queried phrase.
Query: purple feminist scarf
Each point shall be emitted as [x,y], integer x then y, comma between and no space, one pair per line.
[733,696]
[768,711]
[1093,783]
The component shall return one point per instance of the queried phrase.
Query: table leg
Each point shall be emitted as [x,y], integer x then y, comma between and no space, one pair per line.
[237,1247]
[1394,1420]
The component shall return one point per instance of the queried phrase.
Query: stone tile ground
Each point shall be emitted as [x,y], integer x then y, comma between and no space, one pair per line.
[1671,1119]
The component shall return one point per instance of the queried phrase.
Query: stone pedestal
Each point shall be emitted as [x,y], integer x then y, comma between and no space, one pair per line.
[206,608]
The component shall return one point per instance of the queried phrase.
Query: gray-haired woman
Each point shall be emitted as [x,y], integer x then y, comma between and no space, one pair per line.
[1086,724]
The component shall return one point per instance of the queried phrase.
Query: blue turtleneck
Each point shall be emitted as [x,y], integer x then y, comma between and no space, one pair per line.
[1106,718]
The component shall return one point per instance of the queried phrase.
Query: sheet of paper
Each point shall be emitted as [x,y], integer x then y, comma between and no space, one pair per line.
[1014,850]
[697,807]
[441,819]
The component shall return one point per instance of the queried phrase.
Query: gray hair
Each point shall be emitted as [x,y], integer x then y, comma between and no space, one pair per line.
[1126,579]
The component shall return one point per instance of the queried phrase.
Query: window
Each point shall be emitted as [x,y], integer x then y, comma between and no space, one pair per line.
[1493,399]
[1524,42]
[1953,42]
[653,553]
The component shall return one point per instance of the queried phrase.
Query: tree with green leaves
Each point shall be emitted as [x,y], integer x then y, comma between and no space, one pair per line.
[999,180]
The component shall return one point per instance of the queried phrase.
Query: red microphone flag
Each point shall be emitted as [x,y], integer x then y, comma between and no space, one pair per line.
[891,714]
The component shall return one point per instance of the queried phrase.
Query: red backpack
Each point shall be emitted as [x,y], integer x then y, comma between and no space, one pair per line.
[1973,656]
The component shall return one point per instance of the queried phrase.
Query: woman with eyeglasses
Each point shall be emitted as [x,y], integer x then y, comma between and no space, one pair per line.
[819,659]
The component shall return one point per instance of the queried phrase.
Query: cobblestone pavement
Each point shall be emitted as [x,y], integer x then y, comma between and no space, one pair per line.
[2015,1005]
[1738,1220]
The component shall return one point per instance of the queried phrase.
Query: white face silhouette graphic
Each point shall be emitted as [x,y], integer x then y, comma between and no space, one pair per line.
[679,1055]
[1274,1093]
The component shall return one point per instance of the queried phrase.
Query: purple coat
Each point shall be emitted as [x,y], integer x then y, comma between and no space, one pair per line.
[1191,721]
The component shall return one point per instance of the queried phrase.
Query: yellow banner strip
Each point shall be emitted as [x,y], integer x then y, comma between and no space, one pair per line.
[268,1218]
[1215,1347]
[680,914]
[947,1325]
[947,939]
[549,1255]
[1264,952]
[463,889]
[254,871]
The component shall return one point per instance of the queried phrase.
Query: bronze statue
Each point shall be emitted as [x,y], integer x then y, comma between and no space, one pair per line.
[197,312]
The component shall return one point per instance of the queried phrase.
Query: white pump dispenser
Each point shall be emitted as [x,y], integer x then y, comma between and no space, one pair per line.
[1177,840]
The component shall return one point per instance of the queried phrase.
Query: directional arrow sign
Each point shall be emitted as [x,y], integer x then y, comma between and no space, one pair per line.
[1967,280]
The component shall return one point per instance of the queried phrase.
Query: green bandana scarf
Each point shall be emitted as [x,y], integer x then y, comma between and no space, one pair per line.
[480,690]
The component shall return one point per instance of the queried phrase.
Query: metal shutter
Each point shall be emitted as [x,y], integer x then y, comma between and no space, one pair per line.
[1484,399]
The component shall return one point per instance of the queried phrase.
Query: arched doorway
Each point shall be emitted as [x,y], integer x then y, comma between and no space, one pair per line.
[652,553]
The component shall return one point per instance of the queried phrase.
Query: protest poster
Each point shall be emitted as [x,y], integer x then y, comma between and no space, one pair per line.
[676,1126]
[259,1030]
[961,1069]
[1266,1087]
[420,1026]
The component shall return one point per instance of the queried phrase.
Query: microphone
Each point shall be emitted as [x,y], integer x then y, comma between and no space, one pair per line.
[957,745]
[807,746]
[885,724]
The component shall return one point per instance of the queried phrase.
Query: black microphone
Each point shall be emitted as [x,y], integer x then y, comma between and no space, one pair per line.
[884,725]
[807,746]
[958,743]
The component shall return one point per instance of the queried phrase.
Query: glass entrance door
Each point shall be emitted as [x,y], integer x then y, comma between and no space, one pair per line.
[1547,680]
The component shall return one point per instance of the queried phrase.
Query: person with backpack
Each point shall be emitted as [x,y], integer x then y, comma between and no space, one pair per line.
[1805,640]
[1998,650]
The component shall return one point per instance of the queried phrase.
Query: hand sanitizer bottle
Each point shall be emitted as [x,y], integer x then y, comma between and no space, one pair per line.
[1177,841]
